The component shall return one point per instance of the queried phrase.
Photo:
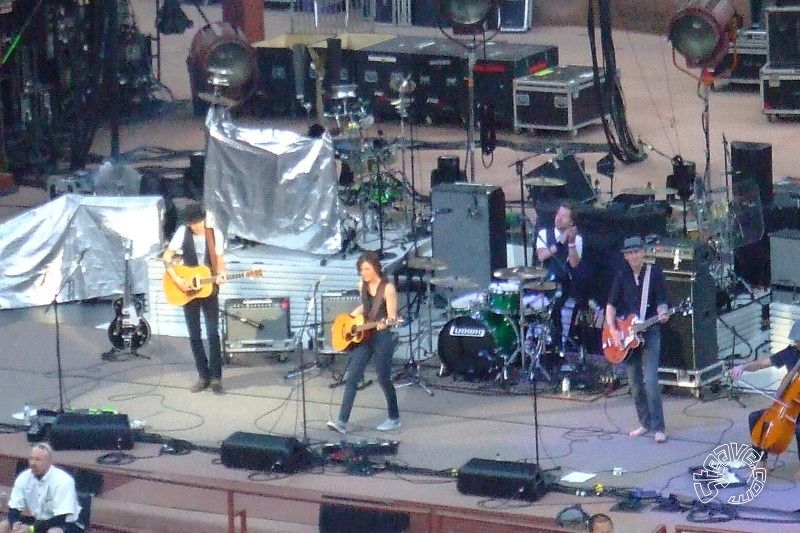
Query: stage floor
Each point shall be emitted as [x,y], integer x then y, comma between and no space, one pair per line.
[585,433]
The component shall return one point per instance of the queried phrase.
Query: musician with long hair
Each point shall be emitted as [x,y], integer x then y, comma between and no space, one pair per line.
[378,303]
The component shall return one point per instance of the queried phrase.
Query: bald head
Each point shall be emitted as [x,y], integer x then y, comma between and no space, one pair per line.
[40,459]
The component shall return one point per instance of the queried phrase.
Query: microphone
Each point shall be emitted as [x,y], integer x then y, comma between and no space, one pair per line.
[320,280]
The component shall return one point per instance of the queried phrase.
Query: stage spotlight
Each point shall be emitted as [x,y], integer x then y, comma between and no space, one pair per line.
[221,53]
[702,31]
[466,17]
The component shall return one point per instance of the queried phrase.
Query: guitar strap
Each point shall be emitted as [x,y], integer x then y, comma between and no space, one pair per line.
[645,293]
[211,250]
[377,301]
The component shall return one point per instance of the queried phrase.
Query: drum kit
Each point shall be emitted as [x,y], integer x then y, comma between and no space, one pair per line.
[369,186]
[489,331]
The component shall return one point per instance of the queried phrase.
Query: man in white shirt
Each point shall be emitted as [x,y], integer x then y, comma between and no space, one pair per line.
[43,497]
[560,249]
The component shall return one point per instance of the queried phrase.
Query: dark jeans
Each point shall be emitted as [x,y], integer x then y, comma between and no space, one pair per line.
[753,419]
[381,346]
[642,366]
[207,367]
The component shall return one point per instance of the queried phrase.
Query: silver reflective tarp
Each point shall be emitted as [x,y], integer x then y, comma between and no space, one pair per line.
[271,186]
[74,248]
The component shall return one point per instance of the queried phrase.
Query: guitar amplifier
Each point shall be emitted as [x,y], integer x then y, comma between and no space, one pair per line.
[335,304]
[257,325]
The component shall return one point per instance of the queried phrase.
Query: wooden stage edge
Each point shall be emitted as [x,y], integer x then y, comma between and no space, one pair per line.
[229,499]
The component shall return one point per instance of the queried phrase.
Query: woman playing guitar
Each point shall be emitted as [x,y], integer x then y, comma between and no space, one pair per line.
[625,298]
[378,303]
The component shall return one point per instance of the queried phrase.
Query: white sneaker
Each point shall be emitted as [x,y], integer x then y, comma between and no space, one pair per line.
[390,425]
[337,426]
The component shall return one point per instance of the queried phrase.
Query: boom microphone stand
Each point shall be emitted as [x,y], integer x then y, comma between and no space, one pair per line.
[302,368]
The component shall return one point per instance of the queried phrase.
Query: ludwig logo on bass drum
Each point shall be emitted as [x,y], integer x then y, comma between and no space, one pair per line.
[466,331]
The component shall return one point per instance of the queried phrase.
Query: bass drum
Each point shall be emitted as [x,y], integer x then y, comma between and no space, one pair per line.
[473,346]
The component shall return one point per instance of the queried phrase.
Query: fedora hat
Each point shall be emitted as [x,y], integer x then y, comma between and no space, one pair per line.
[632,244]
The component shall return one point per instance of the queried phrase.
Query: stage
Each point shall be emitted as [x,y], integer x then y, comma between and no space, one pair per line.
[462,420]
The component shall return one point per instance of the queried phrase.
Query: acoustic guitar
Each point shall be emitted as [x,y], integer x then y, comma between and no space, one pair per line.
[630,328]
[201,280]
[348,331]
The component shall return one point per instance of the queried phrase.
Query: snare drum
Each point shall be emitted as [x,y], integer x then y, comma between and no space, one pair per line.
[503,298]
[535,302]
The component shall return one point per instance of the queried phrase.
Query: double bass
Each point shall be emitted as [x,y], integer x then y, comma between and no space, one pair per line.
[775,428]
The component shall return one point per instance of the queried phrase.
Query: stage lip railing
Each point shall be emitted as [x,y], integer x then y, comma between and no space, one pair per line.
[436,517]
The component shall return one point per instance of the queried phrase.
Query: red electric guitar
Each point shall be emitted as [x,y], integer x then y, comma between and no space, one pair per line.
[629,328]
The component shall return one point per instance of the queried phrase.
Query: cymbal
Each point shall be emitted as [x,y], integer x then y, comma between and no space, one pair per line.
[541,286]
[453,282]
[649,190]
[426,263]
[342,92]
[402,85]
[519,273]
[544,181]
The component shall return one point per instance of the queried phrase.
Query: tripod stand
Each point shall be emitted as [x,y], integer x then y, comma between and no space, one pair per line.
[412,365]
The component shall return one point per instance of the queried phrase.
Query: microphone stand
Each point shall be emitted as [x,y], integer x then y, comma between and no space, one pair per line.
[67,279]
[302,368]
[518,166]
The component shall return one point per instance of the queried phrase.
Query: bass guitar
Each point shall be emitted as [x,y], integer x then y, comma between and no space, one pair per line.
[348,331]
[201,280]
[630,328]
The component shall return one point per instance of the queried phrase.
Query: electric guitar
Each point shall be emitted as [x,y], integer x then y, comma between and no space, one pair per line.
[201,280]
[129,331]
[630,327]
[347,331]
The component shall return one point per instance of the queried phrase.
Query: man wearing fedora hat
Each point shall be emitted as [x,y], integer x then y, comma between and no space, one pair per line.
[788,357]
[640,289]
[198,241]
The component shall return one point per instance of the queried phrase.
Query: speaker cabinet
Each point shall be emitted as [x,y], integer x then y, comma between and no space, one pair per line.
[272,453]
[257,325]
[501,479]
[73,431]
[514,15]
[334,518]
[335,304]
[469,229]
[690,342]
[752,161]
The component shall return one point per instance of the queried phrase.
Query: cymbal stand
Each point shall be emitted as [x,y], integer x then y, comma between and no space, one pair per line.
[379,187]
[412,366]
